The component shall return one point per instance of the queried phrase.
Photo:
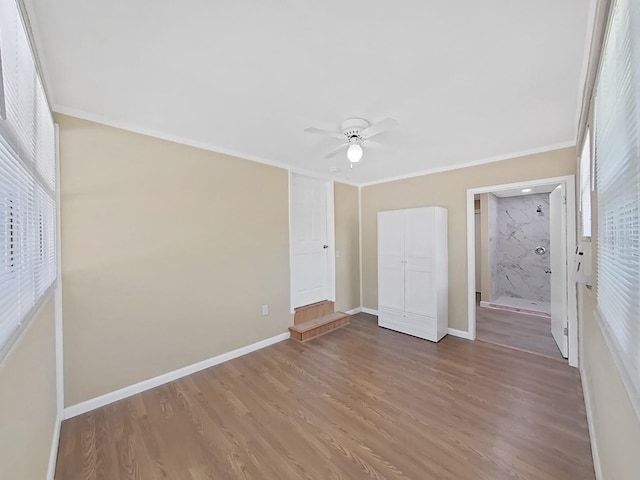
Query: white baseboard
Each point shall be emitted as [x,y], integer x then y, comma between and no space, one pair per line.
[586,393]
[459,333]
[370,311]
[353,311]
[53,453]
[107,398]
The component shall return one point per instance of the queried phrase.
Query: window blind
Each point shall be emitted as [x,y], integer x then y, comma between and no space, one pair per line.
[585,188]
[27,178]
[617,150]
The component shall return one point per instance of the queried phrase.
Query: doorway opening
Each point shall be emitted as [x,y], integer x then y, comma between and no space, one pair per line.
[520,240]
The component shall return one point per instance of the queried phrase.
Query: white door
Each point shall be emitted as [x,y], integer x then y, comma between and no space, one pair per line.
[558,257]
[309,243]
[419,263]
[391,260]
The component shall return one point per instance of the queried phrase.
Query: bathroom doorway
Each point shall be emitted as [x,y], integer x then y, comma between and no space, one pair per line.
[521,294]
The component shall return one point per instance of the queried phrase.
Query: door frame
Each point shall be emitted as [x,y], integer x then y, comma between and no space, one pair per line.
[572,308]
[331,237]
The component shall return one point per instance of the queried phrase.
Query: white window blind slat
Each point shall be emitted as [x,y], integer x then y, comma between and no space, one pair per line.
[27,179]
[617,171]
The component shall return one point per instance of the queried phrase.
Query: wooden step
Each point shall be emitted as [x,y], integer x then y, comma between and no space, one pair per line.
[318,326]
[310,312]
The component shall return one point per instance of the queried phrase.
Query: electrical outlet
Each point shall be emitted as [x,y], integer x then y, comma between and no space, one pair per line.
[265,309]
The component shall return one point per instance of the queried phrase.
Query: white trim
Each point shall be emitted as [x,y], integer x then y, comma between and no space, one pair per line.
[331,241]
[581,299]
[471,265]
[474,163]
[35,42]
[107,398]
[291,307]
[569,182]
[353,311]
[595,453]
[370,311]
[96,118]
[53,452]
[572,294]
[459,333]
[59,340]
[583,82]
[360,240]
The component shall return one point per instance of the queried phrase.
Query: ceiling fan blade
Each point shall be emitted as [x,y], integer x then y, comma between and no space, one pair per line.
[376,129]
[333,153]
[326,133]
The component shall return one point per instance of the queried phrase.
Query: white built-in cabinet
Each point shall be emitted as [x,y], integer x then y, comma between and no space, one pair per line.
[413,272]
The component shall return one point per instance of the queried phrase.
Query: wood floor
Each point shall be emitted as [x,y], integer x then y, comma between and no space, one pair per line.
[361,402]
[526,332]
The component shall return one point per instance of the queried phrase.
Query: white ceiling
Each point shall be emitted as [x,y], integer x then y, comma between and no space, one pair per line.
[469,81]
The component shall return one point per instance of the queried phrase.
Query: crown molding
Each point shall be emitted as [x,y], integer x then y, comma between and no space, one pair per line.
[474,163]
[95,118]
[57,108]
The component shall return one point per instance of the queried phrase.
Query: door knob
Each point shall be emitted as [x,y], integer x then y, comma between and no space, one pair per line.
[325,246]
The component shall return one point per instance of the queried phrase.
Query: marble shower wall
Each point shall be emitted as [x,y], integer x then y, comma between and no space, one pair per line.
[519,272]
[493,245]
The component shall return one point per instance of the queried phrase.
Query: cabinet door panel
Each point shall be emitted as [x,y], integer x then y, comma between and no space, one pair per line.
[420,295]
[391,260]
[419,239]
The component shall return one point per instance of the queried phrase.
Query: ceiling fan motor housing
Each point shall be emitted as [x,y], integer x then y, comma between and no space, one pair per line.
[352,128]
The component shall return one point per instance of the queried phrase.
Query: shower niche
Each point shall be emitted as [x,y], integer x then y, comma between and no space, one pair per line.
[516,253]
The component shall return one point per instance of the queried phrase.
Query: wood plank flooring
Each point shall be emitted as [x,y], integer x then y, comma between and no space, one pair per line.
[359,403]
[517,330]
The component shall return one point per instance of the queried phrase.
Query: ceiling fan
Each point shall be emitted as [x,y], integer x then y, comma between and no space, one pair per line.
[355,132]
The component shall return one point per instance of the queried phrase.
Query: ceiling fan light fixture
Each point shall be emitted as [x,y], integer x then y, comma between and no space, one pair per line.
[353,132]
[354,153]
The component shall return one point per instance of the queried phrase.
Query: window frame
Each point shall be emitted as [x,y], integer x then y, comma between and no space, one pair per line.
[587,146]
[627,367]
[29,190]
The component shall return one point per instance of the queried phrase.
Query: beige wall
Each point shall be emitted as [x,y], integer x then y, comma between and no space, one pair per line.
[28,399]
[613,419]
[168,254]
[347,244]
[448,189]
